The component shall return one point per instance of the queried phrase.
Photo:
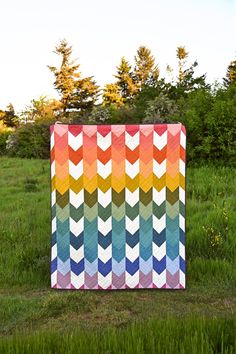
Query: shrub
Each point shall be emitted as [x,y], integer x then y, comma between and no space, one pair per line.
[31,140]
[4,135]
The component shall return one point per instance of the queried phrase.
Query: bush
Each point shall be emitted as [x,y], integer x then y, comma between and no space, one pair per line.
[4,135]
[31,140]
[210,120]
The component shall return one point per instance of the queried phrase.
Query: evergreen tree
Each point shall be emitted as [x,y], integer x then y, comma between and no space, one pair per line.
[9,117]
[187,81]
[76,93]
[67,75]
[125,80]
[182,55]
[231,74]
[145,71]
[85,95]
[111,95]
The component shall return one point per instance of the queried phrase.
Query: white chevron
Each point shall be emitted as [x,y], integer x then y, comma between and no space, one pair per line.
[77,255]
[132,225]
[53,252]
[104,142]
[77,227]
[160,141]
[182,167]
[53,279]
[181,222]
[159,197]
[105,226]
[104,254]
[183,140]
[182,278]
[159,224]
[132,198]
[159,252]
[182,195]
[104,282]
[54,224]
[53,169]
[132,280]
[75,141]
[132,169]
[132,141]
[181,250]
[159,280]
[159,169]
[52,141]
[104,170]
[76,199]
[132,253]
[53,197]
[77,280]
[76,171]
[104,198]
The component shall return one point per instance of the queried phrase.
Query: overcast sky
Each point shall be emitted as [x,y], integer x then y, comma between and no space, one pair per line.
[101,31]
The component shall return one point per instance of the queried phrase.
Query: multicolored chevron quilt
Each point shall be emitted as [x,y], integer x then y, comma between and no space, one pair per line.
[118,206]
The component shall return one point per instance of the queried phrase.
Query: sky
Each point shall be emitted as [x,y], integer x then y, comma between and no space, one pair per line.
[101,32]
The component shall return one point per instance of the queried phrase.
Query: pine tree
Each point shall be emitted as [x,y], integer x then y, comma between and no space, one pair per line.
[230,74]
[76,93]
[145,71]
[9,117]
[67,75]
[85,94]
[111,95]
[182,55]
[125,80]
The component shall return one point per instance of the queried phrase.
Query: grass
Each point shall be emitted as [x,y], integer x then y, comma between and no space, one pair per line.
[123,321]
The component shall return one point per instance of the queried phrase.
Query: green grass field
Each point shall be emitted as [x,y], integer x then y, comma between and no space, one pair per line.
[36,319]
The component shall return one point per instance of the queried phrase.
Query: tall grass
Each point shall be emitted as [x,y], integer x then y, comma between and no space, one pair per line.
[189,336]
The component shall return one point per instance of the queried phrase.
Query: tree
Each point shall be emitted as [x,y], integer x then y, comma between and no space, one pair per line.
[111,95]
[85,94]
[182,55]
[230,74]
[76,93]
[9,117]
[43,109]
[125,80]
[67,75]
[145,71]
[160,109]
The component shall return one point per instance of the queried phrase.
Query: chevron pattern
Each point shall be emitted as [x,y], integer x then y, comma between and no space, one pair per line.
[118,206]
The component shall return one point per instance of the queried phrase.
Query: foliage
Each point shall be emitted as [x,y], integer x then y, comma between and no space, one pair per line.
[101,114]
[125,80]
[181,54]
[42,109]
[5,132]
[30,140]
[145,71]
[160,110]
[230,74]
[210,120]
[111,95]
[9,117]
[76,92]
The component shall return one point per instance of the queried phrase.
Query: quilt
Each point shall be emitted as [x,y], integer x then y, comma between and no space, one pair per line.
[118,206]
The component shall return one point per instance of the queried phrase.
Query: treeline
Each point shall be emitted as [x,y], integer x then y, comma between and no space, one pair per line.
[138,95]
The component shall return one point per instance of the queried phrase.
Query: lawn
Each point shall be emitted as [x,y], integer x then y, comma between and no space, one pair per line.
[36,319]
